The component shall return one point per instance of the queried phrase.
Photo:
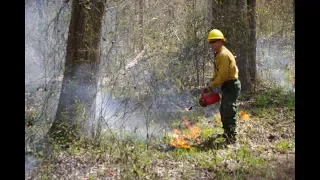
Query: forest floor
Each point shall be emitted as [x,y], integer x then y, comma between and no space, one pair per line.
[265,149]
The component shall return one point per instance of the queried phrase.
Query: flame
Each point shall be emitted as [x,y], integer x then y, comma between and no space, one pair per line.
[243,116]
[181,140]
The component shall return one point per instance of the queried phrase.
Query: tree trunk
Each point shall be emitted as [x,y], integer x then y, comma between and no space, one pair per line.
[251,4]
[231,18]
[76,107]
[243,49]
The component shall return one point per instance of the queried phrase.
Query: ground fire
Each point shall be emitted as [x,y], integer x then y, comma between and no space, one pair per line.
[243,116]
[192,134]
[181,140]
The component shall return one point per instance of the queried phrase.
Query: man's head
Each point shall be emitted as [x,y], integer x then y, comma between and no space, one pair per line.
[216,39]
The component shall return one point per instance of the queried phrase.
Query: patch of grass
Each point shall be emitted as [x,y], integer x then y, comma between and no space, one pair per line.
[206,133]
[242,153]
[44,177]
[179,152]
[275,97]
[284,146]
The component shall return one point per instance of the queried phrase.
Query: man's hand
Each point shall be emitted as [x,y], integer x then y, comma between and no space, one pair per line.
[211,90]
[207,90]
[209,82]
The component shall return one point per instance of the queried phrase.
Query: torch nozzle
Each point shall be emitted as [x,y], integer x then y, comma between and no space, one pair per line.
[188,109]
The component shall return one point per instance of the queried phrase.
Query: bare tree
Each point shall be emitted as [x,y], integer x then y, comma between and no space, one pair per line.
[76,106]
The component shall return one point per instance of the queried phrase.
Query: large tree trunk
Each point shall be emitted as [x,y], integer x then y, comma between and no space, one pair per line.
[252,40]
[242,34]
[231,18]
[76,108]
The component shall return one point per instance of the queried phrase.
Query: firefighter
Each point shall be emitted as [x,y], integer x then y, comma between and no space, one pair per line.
[226,76]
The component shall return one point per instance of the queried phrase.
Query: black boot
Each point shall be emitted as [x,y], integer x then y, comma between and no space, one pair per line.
[230,137]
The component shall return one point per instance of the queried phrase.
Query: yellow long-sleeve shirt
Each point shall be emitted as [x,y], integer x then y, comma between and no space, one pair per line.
[225,67]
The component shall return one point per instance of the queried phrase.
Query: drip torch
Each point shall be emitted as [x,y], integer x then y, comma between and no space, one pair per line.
[206,99]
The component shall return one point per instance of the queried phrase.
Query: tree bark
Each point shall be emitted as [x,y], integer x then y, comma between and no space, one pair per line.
[243,49]
[76,107]
[251,4]
[231,18]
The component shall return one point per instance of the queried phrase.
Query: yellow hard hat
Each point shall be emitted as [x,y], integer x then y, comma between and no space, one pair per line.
[216,34]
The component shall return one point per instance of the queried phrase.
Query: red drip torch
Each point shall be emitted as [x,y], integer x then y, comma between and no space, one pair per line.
[208,98]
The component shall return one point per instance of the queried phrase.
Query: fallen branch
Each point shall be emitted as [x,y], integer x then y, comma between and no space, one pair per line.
[135,60]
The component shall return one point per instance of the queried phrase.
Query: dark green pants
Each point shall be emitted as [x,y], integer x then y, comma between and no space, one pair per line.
[228,108]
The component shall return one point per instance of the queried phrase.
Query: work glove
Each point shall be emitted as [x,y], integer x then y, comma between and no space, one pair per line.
[207,90]
[216,89]
[209,82]
[211,90]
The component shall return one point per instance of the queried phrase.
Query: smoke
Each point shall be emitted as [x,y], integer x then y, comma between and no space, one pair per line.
[149,115]
[127,115]
[33,70]
[276,61]
[30,163]
[44,56]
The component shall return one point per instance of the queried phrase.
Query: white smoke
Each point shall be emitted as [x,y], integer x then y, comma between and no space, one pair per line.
[44,54]
[275,62]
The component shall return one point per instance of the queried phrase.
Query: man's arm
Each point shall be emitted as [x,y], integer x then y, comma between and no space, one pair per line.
[222,71]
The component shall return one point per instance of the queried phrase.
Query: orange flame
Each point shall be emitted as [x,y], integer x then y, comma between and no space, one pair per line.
[243,116]
[181,140]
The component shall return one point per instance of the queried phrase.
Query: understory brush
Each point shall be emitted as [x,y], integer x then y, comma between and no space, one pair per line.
[265,148]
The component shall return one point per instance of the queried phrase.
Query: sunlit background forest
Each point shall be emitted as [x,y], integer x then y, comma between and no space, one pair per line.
[140,65]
